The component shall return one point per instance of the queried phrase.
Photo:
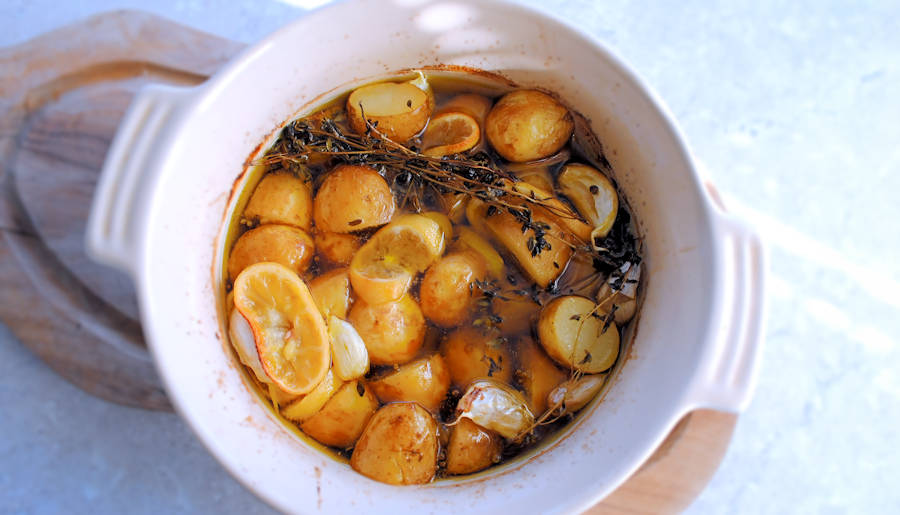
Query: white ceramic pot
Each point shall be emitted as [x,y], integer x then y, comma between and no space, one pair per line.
[167,183]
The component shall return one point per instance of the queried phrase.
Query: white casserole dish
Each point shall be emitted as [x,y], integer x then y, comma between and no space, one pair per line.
[160,206]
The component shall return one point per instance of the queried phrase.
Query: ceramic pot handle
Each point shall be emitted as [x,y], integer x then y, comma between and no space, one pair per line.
[121,200]
[728,372]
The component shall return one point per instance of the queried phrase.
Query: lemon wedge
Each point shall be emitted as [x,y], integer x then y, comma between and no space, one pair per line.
[290,334]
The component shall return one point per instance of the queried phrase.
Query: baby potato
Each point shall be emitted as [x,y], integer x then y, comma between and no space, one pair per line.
[538,374]
[343,418]
[337,248]
[446,292]
[471,352]
[281,198]
[282,244]
[526,125]
[331,292]
[425,381]
[545,266]
[472,448]
[393,331]
[399,445]
[352,198]
[565,318]
[400,110]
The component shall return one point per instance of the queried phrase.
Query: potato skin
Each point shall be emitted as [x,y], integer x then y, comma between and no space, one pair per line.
[282,244]
[393,332]
[538,375]
[446,292]
[469,353]
[331,291]
[472,448]
[337,248]
[425,381]
[352,198]
[343,418]
[526,125]
[281,198]
[399,445]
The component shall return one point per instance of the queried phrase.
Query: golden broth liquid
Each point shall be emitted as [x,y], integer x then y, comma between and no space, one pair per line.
[506,309]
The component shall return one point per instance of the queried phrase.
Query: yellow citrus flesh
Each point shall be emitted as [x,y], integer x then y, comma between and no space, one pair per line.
[382,270]
[290,333]
[450,133]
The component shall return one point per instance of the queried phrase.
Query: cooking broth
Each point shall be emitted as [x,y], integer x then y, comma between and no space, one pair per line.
[441,252]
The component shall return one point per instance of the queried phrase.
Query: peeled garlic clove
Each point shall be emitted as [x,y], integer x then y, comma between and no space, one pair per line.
[593,195]
[242,340]
[496,406]
[349,356]
[574,395]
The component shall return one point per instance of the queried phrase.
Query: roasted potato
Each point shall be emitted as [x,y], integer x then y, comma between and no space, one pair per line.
[399,445]
[331,291]
[400,109]
[281,198]
[447,290]
[472,448]
[393,331]
[424,380]
[471,353]
[282,244]
[538,374]
[516,312]
[343,418]
[576,338]
[526,125]
[337,248]
[352,198]
[542,268]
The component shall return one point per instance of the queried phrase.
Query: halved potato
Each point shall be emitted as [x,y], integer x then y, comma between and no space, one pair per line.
[281,198]
[542,268]
[331,291]
[343,418]
[526,125]
[471,352]
[447,291]
[399,110]
[575,338]
[282,244]
[353,198]
[336,247]
[393,331]
[472,448]
[425,381]
[538,374]
[399,445]
[593,195]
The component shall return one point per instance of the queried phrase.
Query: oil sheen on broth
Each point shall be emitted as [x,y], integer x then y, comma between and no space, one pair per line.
[432,276]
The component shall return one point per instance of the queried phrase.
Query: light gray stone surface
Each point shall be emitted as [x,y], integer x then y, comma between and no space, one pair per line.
[793,108]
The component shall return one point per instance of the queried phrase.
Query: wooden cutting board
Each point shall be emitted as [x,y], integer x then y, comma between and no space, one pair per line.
[62,96]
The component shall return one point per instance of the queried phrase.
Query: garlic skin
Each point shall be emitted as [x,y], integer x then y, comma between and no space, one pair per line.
[592,194]
[242,340]
[496,406]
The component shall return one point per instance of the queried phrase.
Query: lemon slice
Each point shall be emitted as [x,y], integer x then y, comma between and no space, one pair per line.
[450,133]
[305,407]
[290,334]
[383,268]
